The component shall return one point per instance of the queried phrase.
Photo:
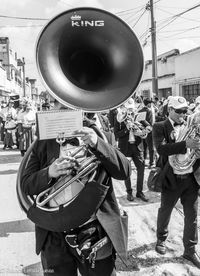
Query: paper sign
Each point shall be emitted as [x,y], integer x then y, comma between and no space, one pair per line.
[141,116]
[55,122]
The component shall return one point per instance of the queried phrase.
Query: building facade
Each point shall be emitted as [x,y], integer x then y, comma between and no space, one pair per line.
[12,74]
[187,81]
[166,76]
[178,74]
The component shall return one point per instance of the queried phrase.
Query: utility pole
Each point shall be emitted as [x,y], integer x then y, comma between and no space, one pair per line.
[154,53]
[24,79]
[21,63]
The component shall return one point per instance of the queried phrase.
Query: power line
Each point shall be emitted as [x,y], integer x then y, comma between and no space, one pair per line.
[45,19]
[178,38]
[146,33]
[182,31]
[130,16]
[139,18]
[166,19]
[130,10]
[23,18]
[180,14]
[20,26]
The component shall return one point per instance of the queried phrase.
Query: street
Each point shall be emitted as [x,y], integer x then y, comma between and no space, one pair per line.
[17,240]
[17,250]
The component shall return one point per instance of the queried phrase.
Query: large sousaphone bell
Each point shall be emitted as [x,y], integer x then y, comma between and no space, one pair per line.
[88,59]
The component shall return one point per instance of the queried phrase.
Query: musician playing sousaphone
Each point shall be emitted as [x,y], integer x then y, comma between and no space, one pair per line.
[91,247]
[177,142]
[86,58]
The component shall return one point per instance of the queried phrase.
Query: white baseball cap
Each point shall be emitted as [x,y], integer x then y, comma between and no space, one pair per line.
[191,106]
[177,102]
[130,103]
[197,100]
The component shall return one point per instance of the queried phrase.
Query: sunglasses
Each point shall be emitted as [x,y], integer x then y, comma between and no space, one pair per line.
[180,111]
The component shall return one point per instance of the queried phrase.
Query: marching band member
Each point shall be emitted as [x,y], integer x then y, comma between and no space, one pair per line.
[133,149]
[148,141]
[9,132]
[8,109]
[177,184]
[91,247]
[197,104]
[26,127]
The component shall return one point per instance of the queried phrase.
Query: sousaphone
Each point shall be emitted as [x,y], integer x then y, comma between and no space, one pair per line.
[88,59]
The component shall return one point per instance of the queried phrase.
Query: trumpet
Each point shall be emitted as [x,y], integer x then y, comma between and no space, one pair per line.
[135,127]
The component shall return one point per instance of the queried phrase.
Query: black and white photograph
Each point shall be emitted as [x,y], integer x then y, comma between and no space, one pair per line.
[99,137]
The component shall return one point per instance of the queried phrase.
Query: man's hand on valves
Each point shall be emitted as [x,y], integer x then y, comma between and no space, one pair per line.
[88,136]
[62,166]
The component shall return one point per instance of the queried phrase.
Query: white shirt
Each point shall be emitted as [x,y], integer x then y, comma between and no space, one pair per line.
[178,130]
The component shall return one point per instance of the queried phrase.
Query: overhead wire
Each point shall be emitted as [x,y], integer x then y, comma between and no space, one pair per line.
[175,17]
[20,26]
[168,18]
[129,10]
[181,32]
[23,18]
[130,16]
[139,18]
[146,33]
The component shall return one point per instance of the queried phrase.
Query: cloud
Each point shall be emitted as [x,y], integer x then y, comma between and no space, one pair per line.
[13,6]
[84,3]
[22,41]
[63,5]
[185,44]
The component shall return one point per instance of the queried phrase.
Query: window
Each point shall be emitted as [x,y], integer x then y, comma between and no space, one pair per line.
[146,93]
[191,91]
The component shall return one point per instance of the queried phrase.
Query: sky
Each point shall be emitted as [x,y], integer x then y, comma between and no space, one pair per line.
[177,24]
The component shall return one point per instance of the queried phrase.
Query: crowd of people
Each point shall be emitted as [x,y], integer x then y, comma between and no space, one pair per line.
[17,125]
[143,130]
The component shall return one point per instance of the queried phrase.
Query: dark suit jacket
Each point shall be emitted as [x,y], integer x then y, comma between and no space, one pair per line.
[122,136]
[149,115]
[166,146]
[35,180]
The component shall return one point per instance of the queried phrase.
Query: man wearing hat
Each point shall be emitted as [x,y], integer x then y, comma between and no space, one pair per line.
[8,109]
[132,149]
[148,141]
[197,104]
[176,184]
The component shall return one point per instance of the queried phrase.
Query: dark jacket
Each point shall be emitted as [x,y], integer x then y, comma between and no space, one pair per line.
[149,114]
[35,180]
[166,146]
[122,136]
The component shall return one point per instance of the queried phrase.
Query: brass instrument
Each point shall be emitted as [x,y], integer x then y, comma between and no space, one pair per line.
[85,58]
[136,128]
[67,187]
[183,162]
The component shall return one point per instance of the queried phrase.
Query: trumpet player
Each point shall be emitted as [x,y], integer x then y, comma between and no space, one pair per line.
[90,248]
[130,136]
[176,182]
